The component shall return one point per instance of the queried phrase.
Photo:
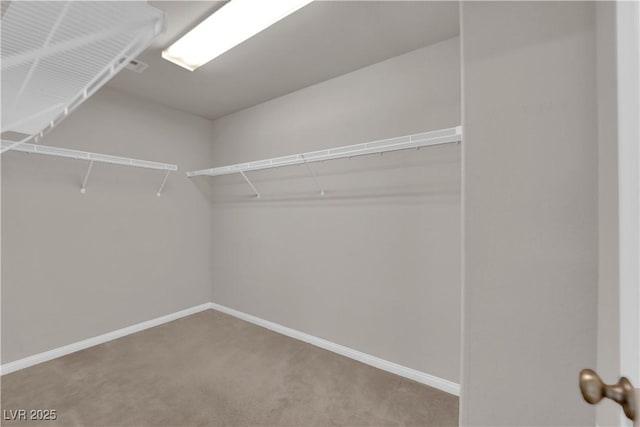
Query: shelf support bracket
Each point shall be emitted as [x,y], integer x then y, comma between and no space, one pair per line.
[313,175]
[86,177]
[250,184]
[164,181]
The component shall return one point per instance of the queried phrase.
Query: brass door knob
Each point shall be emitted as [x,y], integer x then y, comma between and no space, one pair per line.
[593,390]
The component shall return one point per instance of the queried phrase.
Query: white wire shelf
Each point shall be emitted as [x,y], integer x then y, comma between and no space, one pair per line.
[437,137]
[57,54]
[92,157]
[85,155]
[426,139]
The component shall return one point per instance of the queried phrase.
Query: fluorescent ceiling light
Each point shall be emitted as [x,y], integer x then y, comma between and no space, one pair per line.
[227,27]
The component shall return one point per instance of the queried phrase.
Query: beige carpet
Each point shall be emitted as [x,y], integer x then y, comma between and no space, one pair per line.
[210,369]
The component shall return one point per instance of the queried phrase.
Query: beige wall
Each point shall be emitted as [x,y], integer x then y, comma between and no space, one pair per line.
[375,264]
[530,211]
[79,265]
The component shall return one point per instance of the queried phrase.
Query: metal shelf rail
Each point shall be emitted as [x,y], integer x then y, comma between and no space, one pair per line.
[94,157]
[426,139]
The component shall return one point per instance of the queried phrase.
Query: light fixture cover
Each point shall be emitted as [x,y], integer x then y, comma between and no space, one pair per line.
[227,27]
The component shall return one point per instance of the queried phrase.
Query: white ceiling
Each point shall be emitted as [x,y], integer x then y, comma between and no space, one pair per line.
[323,40]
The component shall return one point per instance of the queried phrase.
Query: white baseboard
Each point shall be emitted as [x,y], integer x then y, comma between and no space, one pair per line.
[90,342]
[376,362]
[385,365]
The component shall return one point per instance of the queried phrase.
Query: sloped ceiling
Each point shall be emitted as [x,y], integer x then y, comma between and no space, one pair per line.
[323,40]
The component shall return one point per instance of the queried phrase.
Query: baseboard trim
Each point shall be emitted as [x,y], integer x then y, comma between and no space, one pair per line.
[90,342]
[376,362]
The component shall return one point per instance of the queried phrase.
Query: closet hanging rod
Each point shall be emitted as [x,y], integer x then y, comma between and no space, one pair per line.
[85,155]
[437,137]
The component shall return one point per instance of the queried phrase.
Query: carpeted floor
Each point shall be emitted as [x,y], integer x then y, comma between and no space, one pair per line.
[210,369]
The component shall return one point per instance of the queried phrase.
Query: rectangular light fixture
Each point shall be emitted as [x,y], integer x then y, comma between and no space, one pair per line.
[233,23]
